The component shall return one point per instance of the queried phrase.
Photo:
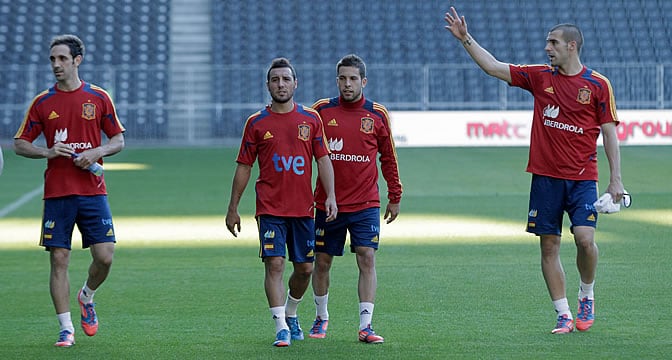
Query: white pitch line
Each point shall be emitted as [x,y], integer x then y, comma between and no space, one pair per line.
[20,201]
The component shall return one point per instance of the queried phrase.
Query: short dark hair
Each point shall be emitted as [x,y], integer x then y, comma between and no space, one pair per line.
[75,44]
[570,32]
[280,62]
[352,60]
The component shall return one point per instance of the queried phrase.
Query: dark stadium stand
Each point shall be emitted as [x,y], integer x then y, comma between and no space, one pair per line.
[127,43]
[403,42]
[402,32]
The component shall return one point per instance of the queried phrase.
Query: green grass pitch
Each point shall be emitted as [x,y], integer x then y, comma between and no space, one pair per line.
[458,276]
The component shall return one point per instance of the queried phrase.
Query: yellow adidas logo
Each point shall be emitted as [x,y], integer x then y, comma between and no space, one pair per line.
[549,90]
[268,135]
[110,233]
[332,122]
[53,115]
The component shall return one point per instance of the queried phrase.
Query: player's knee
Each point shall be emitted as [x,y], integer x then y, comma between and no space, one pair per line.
[323,262]
[104,261]
[585,243]
[366,259]
[304,270]
[584,236]
[322,268]
[60,258]
[550,248]
[103,258]
[274,264]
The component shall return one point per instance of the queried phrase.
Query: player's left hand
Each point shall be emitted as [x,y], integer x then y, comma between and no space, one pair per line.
[391,212]
[233,222]
[457,24]
[86,158]
[331,209]
[616,190]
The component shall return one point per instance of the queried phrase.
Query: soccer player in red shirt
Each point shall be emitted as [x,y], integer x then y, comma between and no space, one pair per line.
[71,115]
[283,138]
[572,105]
[357,129]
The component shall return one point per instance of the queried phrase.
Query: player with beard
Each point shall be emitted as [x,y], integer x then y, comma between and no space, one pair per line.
[358,129]
[573,104]
[283,138]
[72,115]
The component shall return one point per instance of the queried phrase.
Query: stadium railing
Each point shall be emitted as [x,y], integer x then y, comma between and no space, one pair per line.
[237,91]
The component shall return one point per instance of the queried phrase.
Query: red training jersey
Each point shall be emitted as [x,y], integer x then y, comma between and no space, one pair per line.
[284,146]
[357,132]
[75,118]
[568,113]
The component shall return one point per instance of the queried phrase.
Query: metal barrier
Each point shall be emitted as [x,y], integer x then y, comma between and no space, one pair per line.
[153,108]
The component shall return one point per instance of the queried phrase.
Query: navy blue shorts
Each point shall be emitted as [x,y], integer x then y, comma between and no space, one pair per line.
[550,198]
[296,234]
[91,214]
[363,226]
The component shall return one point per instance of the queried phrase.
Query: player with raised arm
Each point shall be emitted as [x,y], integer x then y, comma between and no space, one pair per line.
[572,105]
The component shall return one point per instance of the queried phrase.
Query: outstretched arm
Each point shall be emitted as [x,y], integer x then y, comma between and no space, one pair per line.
[458,27]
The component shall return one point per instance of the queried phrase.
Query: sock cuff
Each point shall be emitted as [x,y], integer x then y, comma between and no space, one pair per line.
[278,311]
[290,297]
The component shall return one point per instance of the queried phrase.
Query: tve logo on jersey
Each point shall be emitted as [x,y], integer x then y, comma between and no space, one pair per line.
[295,164]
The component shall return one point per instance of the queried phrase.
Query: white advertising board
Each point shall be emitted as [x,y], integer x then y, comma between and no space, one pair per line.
[512,128]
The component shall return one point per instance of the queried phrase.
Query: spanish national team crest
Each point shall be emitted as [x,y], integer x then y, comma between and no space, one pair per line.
[304,132]
[584,96]
[89,111]
[367,125]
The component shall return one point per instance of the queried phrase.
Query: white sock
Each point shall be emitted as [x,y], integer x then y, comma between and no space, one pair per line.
[562,307]
[291,304]
[278,313]
[365,314]
[87,294]
[65,321]
[321,303]
[586,290]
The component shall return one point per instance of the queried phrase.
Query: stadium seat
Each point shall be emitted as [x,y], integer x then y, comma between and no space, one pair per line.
[246,34]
